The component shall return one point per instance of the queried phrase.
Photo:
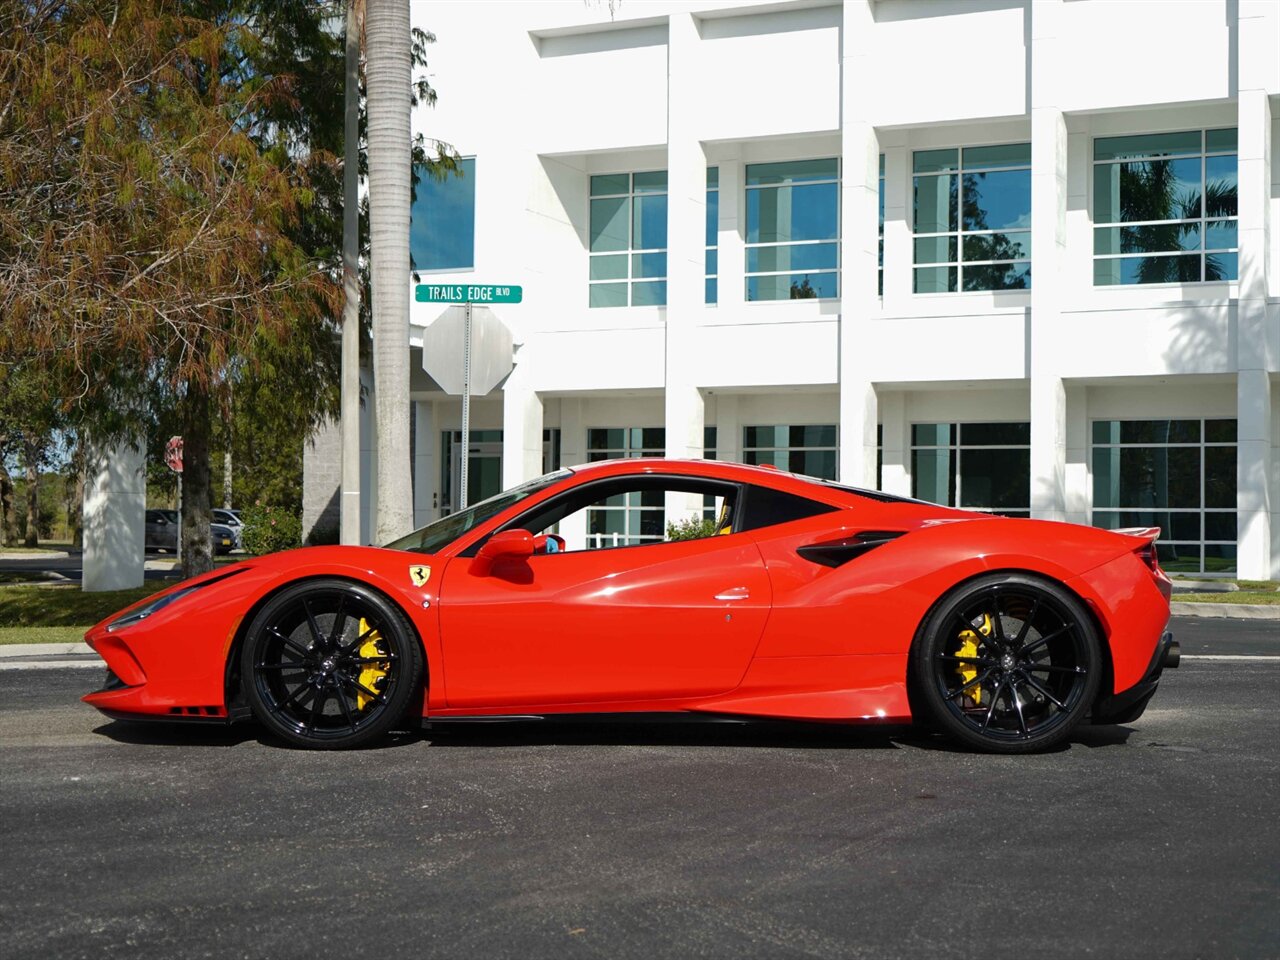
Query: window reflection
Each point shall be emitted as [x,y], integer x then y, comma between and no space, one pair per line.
[442,220]
[972,218]
[1176,193]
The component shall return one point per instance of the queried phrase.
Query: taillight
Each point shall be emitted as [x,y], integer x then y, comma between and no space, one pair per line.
[1147,554]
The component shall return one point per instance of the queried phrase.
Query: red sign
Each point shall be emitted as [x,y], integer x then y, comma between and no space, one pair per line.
[173,454]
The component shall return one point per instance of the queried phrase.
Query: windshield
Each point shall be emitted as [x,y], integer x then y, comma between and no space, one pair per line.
[434,537]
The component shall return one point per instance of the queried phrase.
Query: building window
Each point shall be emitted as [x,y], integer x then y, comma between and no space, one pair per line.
[793,230]
[550,449]
[713,233]
[629,240]
[484,467]
[442,220]
[710,502]
[977,466]
[972,218]
[809,450]
[880,286]
[1178,475]
[629,518]
[1164,208]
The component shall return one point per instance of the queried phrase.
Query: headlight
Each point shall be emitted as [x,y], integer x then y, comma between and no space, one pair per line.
[141,613]
[146,610]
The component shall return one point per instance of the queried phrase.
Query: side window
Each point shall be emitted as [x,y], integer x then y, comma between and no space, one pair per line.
[629,512]
[765,507]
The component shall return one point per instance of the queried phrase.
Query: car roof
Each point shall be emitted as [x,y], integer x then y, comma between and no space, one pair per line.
[768,476]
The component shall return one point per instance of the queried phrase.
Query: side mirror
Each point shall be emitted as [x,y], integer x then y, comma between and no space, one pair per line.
[507,545]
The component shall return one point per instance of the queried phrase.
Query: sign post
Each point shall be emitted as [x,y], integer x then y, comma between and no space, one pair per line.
[173,459]
[469,295]
[466,408]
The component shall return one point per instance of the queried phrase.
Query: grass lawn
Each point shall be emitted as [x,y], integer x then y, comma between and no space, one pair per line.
[43,548]
[41,635]
[1241,596]
[1261,592]
[63,606]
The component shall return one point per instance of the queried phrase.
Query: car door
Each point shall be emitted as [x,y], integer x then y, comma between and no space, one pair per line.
[656,621]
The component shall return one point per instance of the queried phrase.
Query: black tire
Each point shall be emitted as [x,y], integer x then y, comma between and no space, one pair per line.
[309,672]
[1008,663]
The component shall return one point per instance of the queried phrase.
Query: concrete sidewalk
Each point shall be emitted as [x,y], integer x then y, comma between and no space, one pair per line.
[48,656]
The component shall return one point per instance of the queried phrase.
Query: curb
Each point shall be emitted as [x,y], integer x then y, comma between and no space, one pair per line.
[44,555]
[45,650]
[1229,611]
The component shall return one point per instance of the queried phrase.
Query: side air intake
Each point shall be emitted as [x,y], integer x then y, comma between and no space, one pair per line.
[835,553]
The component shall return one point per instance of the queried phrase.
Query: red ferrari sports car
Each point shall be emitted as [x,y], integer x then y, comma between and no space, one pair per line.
[802,599]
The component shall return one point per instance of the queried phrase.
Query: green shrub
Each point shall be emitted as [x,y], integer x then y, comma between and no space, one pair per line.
[270,529]
[691,528]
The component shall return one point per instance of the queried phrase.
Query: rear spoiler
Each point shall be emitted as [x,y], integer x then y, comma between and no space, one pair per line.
[1150,534]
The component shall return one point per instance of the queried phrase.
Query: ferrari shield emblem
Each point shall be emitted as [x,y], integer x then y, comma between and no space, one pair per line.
[419,575]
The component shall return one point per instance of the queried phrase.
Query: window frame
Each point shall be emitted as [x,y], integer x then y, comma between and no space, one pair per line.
[1201,511]
[959,263]
[834,448]
[956,449]
[748,246]
[709,486]
[1202,222]
[631,251]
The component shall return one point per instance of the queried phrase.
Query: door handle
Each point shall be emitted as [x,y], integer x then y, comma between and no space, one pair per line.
[734,593]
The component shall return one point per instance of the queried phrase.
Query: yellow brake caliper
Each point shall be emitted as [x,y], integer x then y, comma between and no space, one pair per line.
[371,674]
[969,640]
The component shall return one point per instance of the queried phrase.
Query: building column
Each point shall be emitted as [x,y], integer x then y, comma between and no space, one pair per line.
[895,477]
[1254,459]
[573,451]
[426,478]
[728,428]
[521,432]
[731,245]
[1048,260]
[897,231]
[1079,496]
[685,414]
[860,241]
[322,482]
[115,506]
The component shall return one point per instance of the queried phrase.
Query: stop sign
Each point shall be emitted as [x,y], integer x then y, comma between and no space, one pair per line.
[491,350]
[173,454]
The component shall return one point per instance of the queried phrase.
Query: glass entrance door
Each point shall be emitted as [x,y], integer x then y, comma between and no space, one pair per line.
[484,476]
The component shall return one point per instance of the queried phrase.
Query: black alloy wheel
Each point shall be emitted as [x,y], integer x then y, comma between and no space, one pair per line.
[330,664]
[1008,663]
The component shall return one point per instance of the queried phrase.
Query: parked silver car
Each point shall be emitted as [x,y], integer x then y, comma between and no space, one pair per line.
[231,520]
[162,533]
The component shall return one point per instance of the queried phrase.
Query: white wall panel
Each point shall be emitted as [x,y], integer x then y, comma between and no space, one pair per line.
[769,74]
[948,60]
[1132,52]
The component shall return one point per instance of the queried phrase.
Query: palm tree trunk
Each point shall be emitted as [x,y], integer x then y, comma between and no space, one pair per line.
[387,85]
[349,498]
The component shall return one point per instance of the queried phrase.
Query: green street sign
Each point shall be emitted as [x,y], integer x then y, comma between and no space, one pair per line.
[468,293]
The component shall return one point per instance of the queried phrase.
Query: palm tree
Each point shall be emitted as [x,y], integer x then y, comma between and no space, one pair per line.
[387,79]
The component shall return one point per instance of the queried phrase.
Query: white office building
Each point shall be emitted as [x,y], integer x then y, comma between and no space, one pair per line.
[1009,255]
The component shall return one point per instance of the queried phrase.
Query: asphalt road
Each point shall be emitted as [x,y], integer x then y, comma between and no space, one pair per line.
[1158,839]
[71,567]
